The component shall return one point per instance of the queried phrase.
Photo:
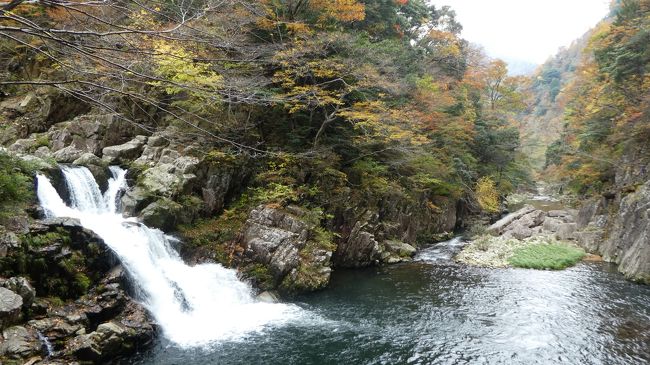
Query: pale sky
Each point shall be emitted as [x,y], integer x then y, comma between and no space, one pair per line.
[525,30]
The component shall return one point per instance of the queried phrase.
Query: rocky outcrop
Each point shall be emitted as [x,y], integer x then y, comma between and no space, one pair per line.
[20,343]
[285,243]
[527,226]
[36,112]
[22,287]
[528,221]
[60,256]
[619,229]
[361,247]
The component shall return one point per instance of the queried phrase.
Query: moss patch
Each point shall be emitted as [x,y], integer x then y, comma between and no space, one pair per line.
[546,256]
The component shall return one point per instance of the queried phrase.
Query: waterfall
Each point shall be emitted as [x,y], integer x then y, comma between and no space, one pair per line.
[194,305]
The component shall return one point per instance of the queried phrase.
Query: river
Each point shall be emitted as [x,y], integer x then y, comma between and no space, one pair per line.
[433,311]
[429,311]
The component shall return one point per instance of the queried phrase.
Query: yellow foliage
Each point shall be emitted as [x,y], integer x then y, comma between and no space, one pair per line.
[176,64]
[487,194]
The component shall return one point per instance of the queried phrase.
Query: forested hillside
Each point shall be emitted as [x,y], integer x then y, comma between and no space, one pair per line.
[180,179]
[331,105]
[607,105]
[544,122]
[602,155]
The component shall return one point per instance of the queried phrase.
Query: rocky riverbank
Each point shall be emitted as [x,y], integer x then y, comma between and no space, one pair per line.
[73,301]
[67,300]
[526,227]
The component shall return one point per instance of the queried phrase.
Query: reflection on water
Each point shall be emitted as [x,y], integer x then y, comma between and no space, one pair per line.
[436,312]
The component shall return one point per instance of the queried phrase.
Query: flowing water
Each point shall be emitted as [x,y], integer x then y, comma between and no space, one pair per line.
[433,311]
[194,305]
[430,311]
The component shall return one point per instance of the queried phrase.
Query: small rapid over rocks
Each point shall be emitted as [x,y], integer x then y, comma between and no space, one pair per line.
[194,305]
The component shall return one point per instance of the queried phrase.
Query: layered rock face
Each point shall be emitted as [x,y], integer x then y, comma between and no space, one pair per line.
[619,229]
[70,302]
[286,244]
[617,225]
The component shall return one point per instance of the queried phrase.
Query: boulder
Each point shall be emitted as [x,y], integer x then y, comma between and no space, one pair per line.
[134,200]
[498,227]
[130,331]
[22,287]
[19,343]
[88,159]
[396,251]
[124,152]
[67,154]
[11,305]
[43,152]
[566,231]
[8,241]
[551,224]
[24,145]
[161,180]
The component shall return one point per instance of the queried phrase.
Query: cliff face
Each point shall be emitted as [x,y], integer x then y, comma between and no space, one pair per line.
[617,225]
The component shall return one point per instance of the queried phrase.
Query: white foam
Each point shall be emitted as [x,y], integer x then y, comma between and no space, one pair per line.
[194,305]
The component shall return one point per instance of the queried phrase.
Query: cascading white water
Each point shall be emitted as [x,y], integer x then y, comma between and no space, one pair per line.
[195,305]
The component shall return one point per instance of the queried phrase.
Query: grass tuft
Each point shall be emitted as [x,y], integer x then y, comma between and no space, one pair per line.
[546,256]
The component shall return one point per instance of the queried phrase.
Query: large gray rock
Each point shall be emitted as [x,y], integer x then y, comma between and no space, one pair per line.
[524,226]
[67,154]
[274,238]
[124,152]
[22,287]
[498,227]
[11,305]
[567,231]
[397,251]
[282,241]
[88,159]
[124,334]
[19,343]
[361,248]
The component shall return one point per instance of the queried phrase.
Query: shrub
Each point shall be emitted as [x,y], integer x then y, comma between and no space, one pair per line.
[15,183]
[487,194]
[553,256]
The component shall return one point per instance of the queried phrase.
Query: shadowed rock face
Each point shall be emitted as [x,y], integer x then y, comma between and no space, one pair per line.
[96,322]
[281,240]
[619,229]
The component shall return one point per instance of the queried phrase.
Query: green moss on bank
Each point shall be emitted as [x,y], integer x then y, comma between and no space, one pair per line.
[546,256]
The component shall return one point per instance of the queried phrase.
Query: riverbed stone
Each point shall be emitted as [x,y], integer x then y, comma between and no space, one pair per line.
[566,231]
[10,307]
[19,343]
[498,227]
[124,152]
[22,287]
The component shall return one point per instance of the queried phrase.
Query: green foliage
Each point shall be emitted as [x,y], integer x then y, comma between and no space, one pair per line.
[260,276]
[546,256]
[59,236]
[15,183]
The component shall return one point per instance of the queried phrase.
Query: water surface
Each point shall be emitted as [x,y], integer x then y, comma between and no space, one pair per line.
[433,311]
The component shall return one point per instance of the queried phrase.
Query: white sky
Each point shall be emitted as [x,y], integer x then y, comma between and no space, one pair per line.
[525,30]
